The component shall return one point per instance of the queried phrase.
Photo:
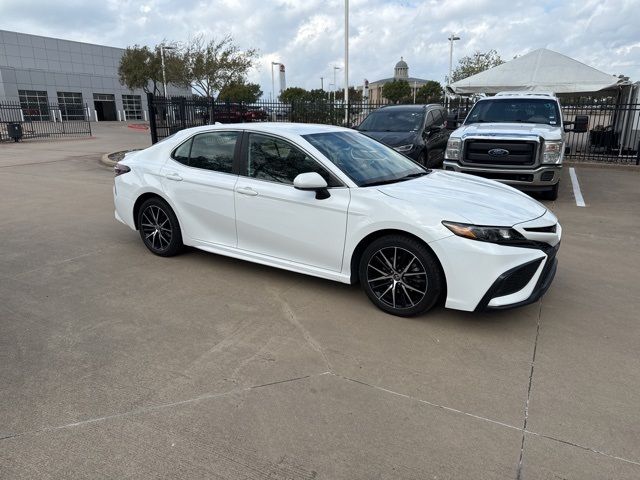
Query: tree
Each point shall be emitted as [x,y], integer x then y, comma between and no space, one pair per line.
[141,67]
[476,63]
[429,92]
[293,94]
[354,95]
[240,92]
[396,91]
[212,65]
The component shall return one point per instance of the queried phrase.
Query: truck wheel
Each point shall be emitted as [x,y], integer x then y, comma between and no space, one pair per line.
[552,193]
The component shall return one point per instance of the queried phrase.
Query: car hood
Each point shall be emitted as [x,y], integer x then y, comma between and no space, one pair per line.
[548,132]
[479,201]
[392,139]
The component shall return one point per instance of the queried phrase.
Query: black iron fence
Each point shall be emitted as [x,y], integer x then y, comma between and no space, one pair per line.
[613,134]
[43,120]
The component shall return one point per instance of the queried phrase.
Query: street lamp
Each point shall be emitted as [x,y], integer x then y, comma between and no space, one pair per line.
[164,75]
[273,84]
[335,85]
[451,39]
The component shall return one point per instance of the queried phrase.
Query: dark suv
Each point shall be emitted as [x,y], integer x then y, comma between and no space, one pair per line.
[417,131]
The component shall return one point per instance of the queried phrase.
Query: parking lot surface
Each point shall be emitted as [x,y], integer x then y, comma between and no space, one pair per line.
[116,363]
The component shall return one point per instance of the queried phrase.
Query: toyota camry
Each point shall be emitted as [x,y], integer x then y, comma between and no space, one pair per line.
[333,203]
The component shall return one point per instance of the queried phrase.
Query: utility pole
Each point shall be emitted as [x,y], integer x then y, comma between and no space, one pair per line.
[451,39]
[346,62]
[322,83]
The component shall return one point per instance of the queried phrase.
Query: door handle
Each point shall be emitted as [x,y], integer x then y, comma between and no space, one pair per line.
[247,191]
[173,176]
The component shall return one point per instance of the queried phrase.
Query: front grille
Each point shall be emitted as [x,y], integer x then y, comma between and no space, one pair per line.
[518,153]
[549,229]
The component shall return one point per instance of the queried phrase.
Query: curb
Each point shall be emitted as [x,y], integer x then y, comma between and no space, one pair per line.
[105,160]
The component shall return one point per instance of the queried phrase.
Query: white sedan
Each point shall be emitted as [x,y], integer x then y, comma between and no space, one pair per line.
[333,203]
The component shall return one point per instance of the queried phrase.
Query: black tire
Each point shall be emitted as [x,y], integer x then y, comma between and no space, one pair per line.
[159,228]
[409,282]
[552,193]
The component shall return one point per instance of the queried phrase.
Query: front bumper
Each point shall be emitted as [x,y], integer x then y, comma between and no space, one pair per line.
[482,276]
[539,178]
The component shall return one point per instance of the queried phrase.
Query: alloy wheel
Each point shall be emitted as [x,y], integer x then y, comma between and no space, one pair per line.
[156,228]
[397,277]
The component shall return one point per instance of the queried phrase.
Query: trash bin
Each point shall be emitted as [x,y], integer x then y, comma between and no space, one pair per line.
[14,130]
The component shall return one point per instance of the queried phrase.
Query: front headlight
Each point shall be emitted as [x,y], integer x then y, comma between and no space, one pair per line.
[454,149]
[403,148]
[485,234]
[552,152]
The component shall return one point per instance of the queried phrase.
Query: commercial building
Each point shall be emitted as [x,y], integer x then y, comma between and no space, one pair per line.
[81,79]
[400,72]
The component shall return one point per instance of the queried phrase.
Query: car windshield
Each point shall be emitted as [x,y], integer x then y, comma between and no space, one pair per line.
[393,120]
[509,110]
[364,160]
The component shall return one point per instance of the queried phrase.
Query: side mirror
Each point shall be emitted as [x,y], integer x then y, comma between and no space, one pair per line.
[580,124]
[312,181]
[452,121]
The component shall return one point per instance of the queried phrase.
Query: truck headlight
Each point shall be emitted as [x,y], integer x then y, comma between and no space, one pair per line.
[505,235]
[552,152]
[454,149]
[403,148]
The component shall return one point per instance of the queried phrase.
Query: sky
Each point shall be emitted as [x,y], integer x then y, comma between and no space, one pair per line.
[308,35]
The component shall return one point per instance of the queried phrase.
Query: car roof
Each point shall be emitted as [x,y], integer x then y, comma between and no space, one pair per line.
[523,94]
[410,107]
[271,127]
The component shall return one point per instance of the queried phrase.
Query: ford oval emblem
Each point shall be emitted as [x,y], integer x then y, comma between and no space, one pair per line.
[498,152]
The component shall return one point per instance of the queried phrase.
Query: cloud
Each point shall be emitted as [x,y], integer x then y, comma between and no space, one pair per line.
[308,36]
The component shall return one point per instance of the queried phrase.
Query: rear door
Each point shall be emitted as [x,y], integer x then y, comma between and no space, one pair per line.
[276,219]
[200,179]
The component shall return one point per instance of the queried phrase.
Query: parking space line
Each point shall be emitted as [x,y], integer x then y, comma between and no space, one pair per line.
[576,188]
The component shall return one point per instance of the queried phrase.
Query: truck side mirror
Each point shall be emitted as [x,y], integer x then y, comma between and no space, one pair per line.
[580,124]
[452,121]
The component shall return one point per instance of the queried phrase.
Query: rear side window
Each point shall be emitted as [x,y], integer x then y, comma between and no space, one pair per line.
[209,151]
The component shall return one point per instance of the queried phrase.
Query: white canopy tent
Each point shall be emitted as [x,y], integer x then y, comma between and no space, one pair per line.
[540,70]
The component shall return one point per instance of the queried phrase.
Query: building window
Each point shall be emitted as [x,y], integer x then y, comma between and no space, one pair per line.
[71,107]
[35,104]
[132,106]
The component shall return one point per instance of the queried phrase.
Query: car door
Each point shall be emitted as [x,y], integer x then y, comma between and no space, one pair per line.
[435,136]
[200,179]
[273,218]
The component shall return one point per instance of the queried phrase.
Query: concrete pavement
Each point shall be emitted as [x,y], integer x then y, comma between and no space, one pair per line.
[116,363]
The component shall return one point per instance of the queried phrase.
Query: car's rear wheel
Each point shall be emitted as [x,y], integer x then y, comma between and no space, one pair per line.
[159,228]
[400,275]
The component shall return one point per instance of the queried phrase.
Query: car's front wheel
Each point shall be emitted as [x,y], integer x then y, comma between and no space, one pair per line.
[159,228]
[400,275]
[552,193]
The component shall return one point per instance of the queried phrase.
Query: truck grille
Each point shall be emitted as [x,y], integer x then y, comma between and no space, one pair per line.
[519,153]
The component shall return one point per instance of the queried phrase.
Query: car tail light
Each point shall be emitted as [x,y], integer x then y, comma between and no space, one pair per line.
[119,169]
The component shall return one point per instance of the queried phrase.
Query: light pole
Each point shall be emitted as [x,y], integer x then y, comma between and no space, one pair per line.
[273,84]
[335,85]
[322,83]
[346,62]
[451,39]
[164,75]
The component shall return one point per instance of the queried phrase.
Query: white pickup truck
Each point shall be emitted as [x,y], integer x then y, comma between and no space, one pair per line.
[516,138]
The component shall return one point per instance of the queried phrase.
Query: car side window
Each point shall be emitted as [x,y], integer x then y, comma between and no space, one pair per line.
[181,154]
[213,151]
[430,121]
[440,117]
[277,160]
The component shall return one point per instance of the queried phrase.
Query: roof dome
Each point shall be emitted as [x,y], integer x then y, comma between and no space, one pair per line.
[402,64]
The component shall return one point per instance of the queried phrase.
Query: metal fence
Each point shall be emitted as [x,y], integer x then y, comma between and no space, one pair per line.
[44,120]
[613,135]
